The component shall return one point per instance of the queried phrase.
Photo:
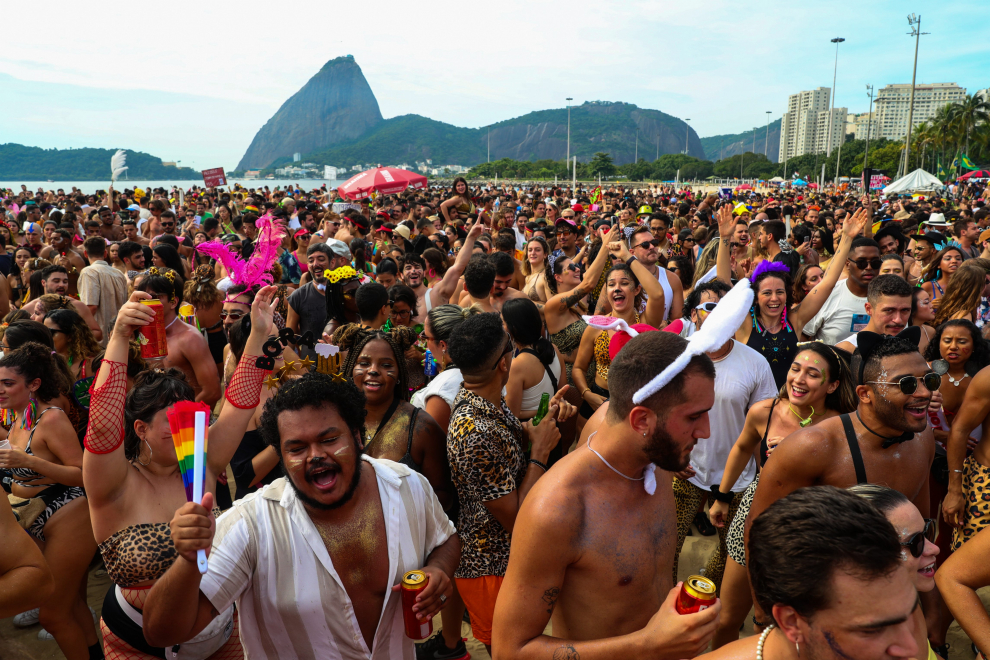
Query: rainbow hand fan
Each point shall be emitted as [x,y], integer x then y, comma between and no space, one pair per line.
[187,421]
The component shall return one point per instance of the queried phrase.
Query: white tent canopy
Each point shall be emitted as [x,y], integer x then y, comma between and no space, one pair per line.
[914,182]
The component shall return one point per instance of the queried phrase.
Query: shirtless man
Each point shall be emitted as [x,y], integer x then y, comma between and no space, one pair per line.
[109,228]
[592,550]
[893,442]
[441,292]
[60,252]
[504,275]
[187,350]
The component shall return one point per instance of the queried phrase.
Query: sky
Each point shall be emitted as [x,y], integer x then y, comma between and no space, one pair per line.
[193,81]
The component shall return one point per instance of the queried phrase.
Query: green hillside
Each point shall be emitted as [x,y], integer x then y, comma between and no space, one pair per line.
[21,163]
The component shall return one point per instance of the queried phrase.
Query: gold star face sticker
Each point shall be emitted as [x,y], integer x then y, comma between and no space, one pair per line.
[272,381]
[306,363]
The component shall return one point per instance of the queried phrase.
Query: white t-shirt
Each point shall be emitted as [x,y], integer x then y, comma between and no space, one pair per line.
[843,314]
[445,385]
[742,379]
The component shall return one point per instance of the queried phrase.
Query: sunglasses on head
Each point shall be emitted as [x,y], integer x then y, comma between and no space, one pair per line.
[863,263]
[909,384]
[646,244]
[916,542]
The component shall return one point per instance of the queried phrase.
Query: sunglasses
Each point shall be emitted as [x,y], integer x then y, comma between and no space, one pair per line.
[909,384]
[916,542]
[234,315]
[573,267]
[708,307]
[646,244]
[509,347]
[863,263]
[688,240]
[168,225]
[564,232]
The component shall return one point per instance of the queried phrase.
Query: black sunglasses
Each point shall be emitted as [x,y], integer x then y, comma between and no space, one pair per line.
[909,384]
[916,542]
[234,315]
[863,263]
[508,349]
[574,267]
[646,244]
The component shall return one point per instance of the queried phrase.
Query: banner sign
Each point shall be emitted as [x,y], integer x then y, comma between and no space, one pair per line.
[214,178]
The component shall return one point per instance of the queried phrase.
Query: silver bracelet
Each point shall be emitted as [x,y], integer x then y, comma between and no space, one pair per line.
[960,471]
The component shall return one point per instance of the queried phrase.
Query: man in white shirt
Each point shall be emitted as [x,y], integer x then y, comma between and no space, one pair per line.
[742,378]
[315,560]
[102,288]
[844,313]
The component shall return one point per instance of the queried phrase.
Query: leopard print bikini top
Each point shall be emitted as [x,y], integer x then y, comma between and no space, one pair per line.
[139,553]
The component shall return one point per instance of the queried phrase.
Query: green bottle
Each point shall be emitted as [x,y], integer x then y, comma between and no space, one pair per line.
[542,411]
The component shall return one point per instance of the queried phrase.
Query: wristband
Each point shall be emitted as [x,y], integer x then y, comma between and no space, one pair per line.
[630,260]
[540,463]
[720,496]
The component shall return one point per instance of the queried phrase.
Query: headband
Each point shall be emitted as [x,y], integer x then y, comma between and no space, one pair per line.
[167,273]
[770,267]
[719,328]
[340,274]
[556,254]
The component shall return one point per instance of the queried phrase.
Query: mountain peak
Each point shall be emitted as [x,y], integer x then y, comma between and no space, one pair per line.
[343,60]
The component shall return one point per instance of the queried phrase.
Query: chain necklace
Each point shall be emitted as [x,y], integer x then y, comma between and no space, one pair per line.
[955,382]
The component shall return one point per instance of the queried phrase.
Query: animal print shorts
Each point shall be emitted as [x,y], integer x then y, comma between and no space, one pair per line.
[976,490]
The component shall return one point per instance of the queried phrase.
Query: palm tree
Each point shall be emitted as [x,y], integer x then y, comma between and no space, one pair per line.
[970,112]
[942,128]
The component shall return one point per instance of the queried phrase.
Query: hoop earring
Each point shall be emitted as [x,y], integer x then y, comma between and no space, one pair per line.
[151,453]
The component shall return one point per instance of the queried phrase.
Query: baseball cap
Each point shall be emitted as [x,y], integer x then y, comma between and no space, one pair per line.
[339,248]
[569,220]
[577,208]
[133,207]
[645,210]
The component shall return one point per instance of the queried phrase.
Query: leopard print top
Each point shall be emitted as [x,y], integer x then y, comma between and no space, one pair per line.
[139,553]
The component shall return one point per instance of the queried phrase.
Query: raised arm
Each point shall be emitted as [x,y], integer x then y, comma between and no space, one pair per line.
[105,468]
[739,456]
[444,289]
[655,306]
[723,260]
[560,303]
[244,392]
[815,300]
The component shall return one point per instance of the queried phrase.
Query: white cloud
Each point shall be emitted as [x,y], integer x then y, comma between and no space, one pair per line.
[720,63]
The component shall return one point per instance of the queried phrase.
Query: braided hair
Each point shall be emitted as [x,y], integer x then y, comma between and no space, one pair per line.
[353,338]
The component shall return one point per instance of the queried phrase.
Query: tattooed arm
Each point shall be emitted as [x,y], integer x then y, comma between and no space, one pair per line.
[556,308]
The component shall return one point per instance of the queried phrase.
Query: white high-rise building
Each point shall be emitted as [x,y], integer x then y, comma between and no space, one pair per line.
[805,126]
[893,104]
[859,123]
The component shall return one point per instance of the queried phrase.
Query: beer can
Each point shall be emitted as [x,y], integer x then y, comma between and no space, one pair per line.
[152,336]
[188,314]
[697,593]
[429,365]
[412,583]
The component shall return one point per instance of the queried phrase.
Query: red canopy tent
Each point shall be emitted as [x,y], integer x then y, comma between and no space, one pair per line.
[744,186]
[976,174]
[384,180]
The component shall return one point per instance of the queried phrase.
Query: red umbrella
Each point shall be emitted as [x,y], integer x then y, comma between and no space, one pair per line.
[385,180]
[978,174]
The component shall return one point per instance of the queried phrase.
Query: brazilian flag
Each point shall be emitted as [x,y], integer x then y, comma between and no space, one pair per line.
[964,161]
[943,174]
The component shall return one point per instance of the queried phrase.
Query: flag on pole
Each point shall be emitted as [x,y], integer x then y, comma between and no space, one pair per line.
[967,163]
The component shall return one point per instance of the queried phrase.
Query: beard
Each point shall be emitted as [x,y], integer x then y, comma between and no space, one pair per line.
[348,494]
[892,415]
[664,452]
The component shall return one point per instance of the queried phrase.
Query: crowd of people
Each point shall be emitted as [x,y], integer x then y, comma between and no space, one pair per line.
[531,394]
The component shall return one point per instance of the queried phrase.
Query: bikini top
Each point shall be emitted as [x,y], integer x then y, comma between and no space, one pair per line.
[764,448]
[26,476]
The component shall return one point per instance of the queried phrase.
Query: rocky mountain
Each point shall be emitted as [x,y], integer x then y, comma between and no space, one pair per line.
[718,147]
[334,120]
[335,106]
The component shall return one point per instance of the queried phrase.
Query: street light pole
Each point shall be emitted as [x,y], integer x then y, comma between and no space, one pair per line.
[766,147]
[831,119]
[569,99]
[915,23]
[869,125]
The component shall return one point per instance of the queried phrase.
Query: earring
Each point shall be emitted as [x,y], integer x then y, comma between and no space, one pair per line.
[151,453]
[798,647]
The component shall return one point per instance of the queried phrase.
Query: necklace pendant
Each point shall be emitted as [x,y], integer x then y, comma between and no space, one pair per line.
[804,422]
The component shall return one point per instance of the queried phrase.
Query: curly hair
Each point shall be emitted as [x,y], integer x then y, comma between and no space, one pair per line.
[153,392]
[981,347]
[52,301]
[316,390]
[201,291]
[82,344]
[34,361]
[353,338]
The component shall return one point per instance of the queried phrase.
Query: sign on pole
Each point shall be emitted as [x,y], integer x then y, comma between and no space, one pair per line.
[214,178]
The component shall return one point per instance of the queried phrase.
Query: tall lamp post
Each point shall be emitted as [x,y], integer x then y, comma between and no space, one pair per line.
[766,147]
[831,119]
[869,125]
[915,23]
[569,99]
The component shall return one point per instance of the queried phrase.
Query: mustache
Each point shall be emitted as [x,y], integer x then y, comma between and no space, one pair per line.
[320,465]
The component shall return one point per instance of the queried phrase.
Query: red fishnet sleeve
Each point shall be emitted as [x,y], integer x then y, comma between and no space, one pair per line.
[244,390]
[106,411]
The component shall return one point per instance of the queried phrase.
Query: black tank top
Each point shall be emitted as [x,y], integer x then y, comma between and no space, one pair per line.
[778,349]
[764,448]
